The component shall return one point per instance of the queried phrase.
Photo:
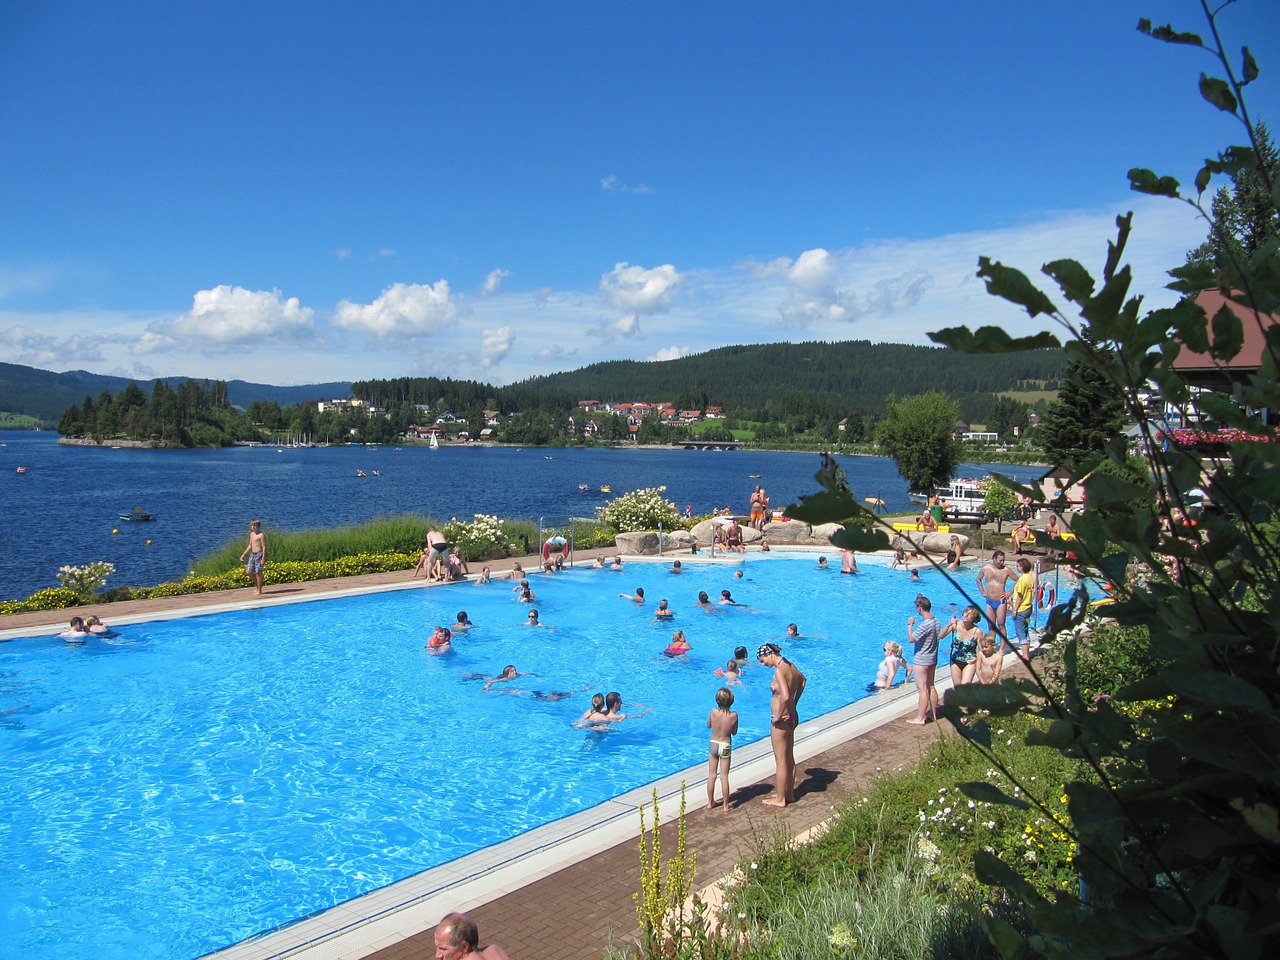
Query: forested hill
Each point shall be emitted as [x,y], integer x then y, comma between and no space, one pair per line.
[856,373]
[45,395]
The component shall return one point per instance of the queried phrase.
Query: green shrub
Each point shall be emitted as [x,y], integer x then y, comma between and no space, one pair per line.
[643,509]
[485,538]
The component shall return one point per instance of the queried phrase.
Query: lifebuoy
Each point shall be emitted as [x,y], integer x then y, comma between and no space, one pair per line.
[1045,596]
[550,542]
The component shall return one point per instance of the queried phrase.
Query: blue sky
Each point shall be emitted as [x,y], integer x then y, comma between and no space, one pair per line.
[292,192]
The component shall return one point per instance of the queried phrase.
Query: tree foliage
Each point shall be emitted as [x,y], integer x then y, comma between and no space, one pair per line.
[193,415]
[1087,415]
[1175,809]
[918,432]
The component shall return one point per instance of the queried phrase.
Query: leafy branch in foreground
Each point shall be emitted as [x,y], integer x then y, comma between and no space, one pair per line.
[1177,808]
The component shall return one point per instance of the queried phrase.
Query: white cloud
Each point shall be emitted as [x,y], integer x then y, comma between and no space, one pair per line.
[637,290]
[385,252]
[403,310]
[232,318]
[611,184]
[628,325]
[35,349]
[495,345]
[670,353]
[343,253]
[493,281]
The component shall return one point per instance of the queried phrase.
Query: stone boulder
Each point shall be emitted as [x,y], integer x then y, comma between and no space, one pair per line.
[928,542]
[823,532]
[789,531]
[645,543]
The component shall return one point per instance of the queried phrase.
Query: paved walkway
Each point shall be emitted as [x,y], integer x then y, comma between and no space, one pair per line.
[573,912]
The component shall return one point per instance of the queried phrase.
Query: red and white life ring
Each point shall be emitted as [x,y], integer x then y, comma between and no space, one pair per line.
[1046,596]
[558,542]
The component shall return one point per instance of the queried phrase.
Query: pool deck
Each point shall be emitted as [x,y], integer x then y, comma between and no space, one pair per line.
[564,890]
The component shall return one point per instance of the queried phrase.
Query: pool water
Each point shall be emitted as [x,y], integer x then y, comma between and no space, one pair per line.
[190,783]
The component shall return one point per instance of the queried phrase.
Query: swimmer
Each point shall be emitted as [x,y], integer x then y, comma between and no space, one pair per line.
[597,712]
[525,592]
[515,573]
[485,576]
[888,670]
[848,562]
[899,558]
[613,701]
[704,601]
[676,568]
[617,563]
[764,546]
[737,574]
[76,631]
[533,621]
[441,640]
[732,673]
[723,724]
[822,563]
[462,623]
[509,672]
[597,564]
[726,599]
[740,655]
[914,575]
[664,611]
[95,625]
[637,597]
[678,645]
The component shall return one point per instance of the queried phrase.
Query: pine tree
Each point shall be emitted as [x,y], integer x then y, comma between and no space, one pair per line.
[1089,412]
[1244,215]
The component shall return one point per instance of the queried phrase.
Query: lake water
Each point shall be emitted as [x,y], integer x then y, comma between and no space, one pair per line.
[67,503]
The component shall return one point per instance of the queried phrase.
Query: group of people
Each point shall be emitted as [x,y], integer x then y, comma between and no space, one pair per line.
[81,628]
[438,561]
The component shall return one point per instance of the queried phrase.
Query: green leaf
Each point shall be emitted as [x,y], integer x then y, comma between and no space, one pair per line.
[826,507]
[1262,818]
[1002,935]
[1168,34]
[1228,334]
[1144,181]
[856,538]
[1060,734]
[1191,278]
[1249,68]
[1103,489]
[1203,177]
[1220,690]
[985,792]
[999,698]
[1093,812]
[990,870]
[1218,92]
[1013,285]
[992,340]
[1075,281]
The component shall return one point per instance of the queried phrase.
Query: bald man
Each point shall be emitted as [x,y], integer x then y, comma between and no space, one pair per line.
[456,937]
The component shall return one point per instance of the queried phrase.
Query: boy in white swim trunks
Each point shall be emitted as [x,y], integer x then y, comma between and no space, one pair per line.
[723,724]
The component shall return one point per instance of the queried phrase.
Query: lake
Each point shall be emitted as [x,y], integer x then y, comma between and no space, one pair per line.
[69,499]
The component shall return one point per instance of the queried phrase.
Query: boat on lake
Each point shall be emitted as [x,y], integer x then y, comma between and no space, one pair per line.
[138,516]
[961,495]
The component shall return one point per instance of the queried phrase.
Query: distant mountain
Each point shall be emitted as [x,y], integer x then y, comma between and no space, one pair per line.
[46,395]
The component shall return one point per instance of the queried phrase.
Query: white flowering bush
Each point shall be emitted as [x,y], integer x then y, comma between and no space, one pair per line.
[88,581]
[645,509]
[481,539]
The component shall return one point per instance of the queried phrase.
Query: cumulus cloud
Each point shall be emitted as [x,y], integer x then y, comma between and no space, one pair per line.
[403,310]
[670,353]
[626,326]
[611,184]
[36,349]
[493,281]
[641,291]
[232,318]
[494,345]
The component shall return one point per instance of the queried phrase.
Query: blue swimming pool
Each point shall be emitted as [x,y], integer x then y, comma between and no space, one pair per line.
[189,783]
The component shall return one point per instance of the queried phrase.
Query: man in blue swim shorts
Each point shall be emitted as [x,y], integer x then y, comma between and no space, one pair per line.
[994,583]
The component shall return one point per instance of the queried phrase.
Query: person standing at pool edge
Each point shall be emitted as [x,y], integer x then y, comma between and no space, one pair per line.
[924,638]
[787,687]
[256,551]
[456,937]
[723,724]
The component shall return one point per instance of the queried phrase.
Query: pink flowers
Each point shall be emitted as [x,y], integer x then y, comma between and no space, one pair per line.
[1198,438]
